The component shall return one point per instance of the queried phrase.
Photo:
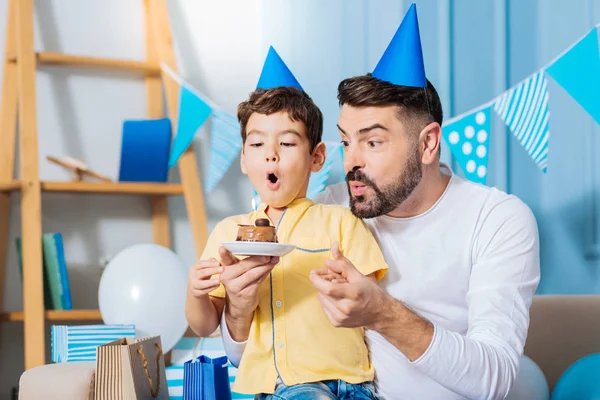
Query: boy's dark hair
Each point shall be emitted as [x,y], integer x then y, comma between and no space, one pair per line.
[294,101]
[417,107]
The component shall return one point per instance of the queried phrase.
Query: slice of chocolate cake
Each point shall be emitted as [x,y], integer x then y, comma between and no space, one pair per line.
[261,231]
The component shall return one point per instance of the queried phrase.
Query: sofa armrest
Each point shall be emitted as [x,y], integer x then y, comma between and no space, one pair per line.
[58,382]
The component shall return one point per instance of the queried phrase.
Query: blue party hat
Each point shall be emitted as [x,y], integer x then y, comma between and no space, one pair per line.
[402,62]
[275,73]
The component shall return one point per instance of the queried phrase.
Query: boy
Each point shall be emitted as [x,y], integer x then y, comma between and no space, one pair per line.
[293,350]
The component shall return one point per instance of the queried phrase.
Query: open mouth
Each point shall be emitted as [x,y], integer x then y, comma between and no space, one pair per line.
[272,178]
[357,188]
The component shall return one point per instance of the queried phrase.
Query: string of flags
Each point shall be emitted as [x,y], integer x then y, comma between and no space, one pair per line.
[196,109]
[525,111]
[524,108]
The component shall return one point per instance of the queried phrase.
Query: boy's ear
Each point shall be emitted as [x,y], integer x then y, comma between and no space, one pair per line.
[319,155]
[242,163]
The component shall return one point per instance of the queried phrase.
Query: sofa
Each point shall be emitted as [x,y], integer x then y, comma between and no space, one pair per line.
[563,329]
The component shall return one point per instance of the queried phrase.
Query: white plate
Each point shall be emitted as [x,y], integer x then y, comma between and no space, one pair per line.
[258,248]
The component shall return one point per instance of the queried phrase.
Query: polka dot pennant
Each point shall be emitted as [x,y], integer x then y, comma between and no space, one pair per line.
[468,138]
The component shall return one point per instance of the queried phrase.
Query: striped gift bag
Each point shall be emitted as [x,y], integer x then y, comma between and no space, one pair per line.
[79,343]
[206,378]
[189,348]
[130,369]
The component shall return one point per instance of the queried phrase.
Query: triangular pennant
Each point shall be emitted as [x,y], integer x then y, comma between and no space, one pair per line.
[524,109]
[193,112]
[225,145]
[577,71]
[275,73]
[318,180]
[402,62]
[468,138]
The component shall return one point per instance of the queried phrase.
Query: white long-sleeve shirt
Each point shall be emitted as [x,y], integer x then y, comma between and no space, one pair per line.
[470,265]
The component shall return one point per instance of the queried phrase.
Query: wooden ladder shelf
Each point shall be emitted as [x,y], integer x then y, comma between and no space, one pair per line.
[19,101]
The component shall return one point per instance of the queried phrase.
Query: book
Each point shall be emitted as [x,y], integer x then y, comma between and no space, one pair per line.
[48,303]
[55,264]
[57,292]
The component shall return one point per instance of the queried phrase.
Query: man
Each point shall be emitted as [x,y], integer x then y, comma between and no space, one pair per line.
[450,319]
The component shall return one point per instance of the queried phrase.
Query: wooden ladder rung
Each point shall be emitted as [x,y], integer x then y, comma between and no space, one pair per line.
[141,188]
[51,58]
[56,315]
[10,186]
[113,188]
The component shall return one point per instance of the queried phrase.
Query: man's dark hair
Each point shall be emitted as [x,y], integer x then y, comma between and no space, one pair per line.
[298,105]
[417,107]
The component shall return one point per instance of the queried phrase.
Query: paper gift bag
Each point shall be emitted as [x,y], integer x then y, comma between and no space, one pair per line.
[206,378]
[129,369]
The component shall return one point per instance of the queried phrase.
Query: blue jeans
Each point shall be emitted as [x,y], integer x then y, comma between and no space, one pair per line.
[326,390]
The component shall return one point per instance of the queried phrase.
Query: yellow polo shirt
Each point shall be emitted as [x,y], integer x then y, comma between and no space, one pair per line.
[290,335]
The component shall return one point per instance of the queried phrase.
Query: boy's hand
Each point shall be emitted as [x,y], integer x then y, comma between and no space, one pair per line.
[199,277]
[242,279]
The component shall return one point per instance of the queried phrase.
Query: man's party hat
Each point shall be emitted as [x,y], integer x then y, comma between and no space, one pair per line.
[402,62]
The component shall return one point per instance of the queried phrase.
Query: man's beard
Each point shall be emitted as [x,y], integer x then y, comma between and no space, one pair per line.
[386,199]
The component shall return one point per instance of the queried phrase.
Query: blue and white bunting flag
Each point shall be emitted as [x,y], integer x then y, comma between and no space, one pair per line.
[524,109]
[577,71]
[193,113]
[225,145]
[468,136]
[318,181]
[194,110]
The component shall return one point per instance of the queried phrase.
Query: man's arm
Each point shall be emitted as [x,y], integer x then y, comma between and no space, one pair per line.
[233,349]
[506,272]
[482,364]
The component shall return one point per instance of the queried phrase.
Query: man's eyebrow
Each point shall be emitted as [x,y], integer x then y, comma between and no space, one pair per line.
[367,129]
[370,128]
[255,131]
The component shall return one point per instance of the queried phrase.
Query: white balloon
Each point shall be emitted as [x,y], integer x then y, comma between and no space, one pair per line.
[145,285]
[530,383]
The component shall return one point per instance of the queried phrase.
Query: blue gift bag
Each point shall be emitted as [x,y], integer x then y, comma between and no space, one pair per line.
[206,378]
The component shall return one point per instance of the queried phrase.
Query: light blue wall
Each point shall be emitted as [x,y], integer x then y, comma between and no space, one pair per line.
[473,51]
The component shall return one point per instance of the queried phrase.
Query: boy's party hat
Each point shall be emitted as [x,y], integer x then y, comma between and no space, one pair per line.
[275,73]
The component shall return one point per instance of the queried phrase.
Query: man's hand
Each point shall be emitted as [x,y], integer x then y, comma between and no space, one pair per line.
[351,299]
[348,298]
[200,283]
